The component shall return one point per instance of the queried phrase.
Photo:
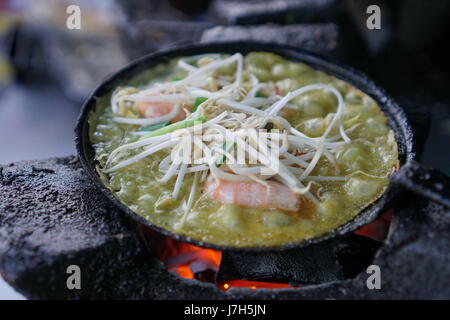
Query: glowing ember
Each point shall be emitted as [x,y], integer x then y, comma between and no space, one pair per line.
[252,285]
[192,262]
[378,229]
[185,272]
[189,261]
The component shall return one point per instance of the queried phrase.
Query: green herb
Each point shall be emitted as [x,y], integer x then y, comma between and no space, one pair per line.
[175,126]
[154,127]
[260,95]
[227,147]
[175,79]
[198,101]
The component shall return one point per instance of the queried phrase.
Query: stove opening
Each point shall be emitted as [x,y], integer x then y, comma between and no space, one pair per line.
[338,259]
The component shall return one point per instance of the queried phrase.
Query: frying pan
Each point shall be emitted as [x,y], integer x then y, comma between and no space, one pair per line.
[395,114]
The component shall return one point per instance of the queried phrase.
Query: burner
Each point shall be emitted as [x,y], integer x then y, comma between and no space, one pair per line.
[52,216]
[331,260]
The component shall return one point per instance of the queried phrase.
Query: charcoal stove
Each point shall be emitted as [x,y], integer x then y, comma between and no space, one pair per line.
[52,216]
[331,260]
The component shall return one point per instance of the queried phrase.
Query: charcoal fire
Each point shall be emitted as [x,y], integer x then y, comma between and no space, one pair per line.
[346,258]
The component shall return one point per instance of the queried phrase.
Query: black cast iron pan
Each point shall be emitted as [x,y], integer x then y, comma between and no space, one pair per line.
[395,114]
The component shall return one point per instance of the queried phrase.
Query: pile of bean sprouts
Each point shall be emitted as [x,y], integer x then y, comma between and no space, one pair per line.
[231,116]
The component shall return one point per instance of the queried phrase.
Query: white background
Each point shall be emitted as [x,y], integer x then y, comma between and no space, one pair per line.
[8,293]
[29,133]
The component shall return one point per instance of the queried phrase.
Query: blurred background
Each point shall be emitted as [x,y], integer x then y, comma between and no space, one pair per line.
[47,70]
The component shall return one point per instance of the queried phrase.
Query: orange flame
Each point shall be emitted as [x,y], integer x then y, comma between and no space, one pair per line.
[252,285]
[378,229]
[179,256]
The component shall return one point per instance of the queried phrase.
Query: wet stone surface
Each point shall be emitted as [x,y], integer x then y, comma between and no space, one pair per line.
[277,11]
[51,216]
[149,36]
[320,38]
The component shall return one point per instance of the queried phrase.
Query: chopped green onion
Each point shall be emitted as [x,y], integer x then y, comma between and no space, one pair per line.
[227,147]
[154,127]
[198,101]
[260,95]
[175,79]
[175,126]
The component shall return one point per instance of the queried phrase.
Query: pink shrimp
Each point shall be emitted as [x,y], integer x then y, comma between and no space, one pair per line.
[159,108]
[253,194]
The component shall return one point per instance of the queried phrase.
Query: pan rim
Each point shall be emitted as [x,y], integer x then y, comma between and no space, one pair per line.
[396,117]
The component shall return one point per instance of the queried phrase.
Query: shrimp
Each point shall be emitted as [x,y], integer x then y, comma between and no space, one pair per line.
[159,108]
[253,194]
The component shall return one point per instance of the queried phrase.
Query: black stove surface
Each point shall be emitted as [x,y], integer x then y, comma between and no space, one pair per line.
[53,217]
